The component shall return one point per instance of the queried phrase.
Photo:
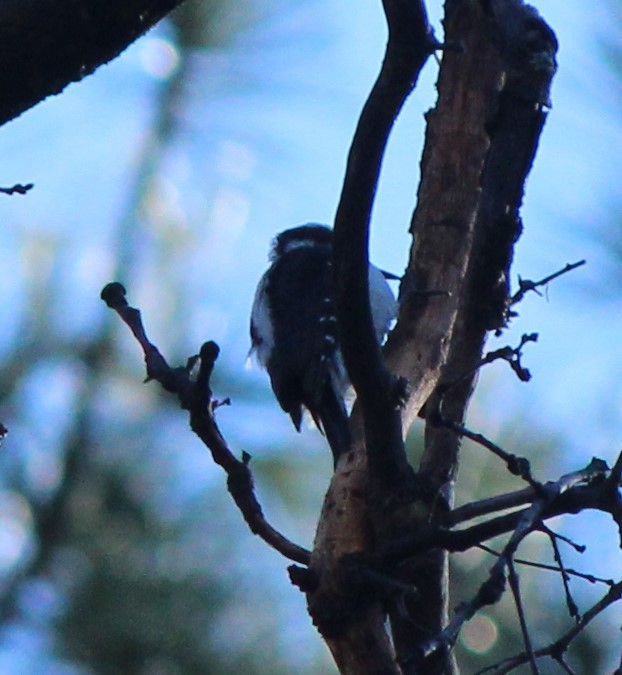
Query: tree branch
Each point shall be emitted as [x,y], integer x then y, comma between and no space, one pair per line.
[514,583]
[409,45]
[584,489]
[481,140]
[526,285]
[490,505]
[358,638]
[17,189]
[517,466]
[555,568]
[557,649]
[196,397]
[47,44]
[493,587]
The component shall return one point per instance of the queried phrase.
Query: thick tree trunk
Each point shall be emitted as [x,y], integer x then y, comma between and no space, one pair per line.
[480,142]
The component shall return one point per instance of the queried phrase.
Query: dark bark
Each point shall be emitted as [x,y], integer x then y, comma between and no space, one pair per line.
[195,395]
[378,393]
[444,229]
[481,139]
[47,44]
[350,617]
[505,40]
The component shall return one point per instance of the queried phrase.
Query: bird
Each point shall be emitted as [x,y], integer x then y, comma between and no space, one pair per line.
[293,329]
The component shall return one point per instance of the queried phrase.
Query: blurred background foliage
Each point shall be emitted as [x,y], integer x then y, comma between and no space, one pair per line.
[170,170]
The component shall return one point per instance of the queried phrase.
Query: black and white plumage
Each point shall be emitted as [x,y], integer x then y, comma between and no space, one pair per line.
[294,332]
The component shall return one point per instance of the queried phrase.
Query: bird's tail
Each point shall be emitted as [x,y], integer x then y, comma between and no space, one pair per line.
[333,419]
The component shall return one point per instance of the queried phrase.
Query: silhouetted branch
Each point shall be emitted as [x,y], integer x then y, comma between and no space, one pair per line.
[573,610]
[512,355]
[518,466]
[492,589]
[17,189]
[579,548]
[552,568]
[489,505]
[46,44]
[558,648]
[354,627]
[573,492]
[196,397]
[410,44]
[520,609]
[526,285]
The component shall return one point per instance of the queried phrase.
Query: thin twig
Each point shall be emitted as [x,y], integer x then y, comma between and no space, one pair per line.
[518,466]
[522,618]
[510,354]
[17,189]
[526,285]
[579,548]
[560,646]
[196,397]
[484,507]
[573,610]
[561,660]
[513,356]
[492,589]
[551,568]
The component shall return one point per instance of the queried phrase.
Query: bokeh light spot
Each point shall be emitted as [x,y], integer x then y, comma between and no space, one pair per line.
[480,634]
[159,57]
[15,528]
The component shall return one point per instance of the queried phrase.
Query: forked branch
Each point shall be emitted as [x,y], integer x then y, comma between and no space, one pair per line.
[195,396]
[557,650]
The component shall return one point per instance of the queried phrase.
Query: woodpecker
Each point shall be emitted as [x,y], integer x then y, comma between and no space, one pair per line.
[293,329]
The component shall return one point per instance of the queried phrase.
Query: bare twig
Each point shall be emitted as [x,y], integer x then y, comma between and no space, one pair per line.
[573,610]
[561,660]
[526,285]
[17,189]
[492,589]
[518,466]
[513,356]
[522,618]
[552,568]
[579,548]
[489,505]
[510,354]
[196,397]
[557,649]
